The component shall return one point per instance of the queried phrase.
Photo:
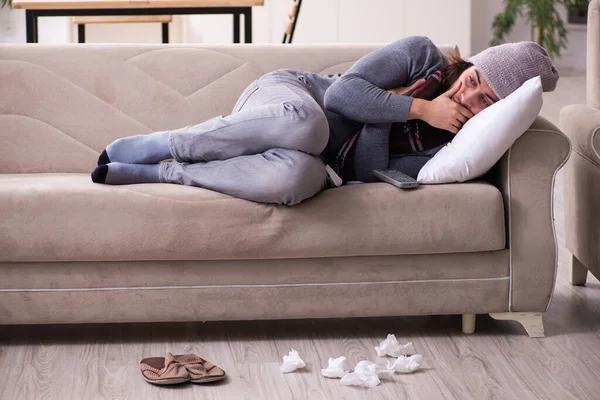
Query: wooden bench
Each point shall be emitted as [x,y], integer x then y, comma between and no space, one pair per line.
[82,21]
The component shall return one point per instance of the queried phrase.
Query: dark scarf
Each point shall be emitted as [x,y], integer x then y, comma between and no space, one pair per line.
[414,136]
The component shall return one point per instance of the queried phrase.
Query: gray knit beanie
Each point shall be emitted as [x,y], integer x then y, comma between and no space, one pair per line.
[507,66]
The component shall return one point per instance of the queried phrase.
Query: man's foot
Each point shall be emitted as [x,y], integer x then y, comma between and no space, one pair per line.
[139,149]
[116,173]
[99,174]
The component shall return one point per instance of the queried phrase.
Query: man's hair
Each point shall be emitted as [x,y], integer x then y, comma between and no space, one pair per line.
[451,72]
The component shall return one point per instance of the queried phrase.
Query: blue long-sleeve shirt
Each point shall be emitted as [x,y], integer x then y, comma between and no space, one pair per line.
[358,99]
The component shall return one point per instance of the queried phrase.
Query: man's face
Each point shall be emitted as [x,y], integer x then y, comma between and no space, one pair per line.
[475,93]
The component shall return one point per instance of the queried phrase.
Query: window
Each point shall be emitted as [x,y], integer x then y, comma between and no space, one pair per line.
[578,12]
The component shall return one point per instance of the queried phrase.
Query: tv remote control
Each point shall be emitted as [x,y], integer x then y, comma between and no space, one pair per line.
[396,178]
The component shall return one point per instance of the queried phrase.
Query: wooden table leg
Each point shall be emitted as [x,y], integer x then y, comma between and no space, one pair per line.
[165,32]
[248,25]
[81,33]
[236,27]
[31,26]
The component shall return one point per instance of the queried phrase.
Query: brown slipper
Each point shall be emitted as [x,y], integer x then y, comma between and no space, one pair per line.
[200,370]
[163,370]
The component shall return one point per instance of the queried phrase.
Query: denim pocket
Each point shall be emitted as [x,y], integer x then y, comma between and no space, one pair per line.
[290,90]
[249,91]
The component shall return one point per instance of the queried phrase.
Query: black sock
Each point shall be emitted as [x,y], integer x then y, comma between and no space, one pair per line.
[99,174]
[103,159]
[126,174]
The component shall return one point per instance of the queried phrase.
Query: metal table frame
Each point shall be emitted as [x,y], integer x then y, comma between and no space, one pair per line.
[31,16]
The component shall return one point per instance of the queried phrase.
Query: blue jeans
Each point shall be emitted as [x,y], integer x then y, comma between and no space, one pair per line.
[267,150]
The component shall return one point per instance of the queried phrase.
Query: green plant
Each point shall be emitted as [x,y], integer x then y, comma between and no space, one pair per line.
[546,26]
[4,3]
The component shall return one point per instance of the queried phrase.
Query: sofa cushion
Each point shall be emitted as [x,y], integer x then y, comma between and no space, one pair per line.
[42,216]
[60,105]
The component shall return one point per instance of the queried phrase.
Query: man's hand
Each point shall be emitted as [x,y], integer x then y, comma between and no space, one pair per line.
[444,113]
[406,91]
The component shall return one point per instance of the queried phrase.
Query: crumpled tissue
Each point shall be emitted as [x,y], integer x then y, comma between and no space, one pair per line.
[365,374]
[291,362]
[368,367]
[391,347]
[406,365]
[335,369]
[364,380]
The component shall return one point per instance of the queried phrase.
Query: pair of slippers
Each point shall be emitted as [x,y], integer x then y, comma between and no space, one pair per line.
[172,369]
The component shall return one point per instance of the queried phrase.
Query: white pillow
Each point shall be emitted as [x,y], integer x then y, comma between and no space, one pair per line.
[486,137]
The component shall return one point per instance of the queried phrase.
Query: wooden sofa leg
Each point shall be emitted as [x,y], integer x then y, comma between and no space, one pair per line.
[578,272]
[532,322]
[468,323]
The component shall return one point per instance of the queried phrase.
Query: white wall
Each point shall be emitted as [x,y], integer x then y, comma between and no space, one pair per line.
[466,23]
[346,21]
[51,30]
[12,26]
[445,22]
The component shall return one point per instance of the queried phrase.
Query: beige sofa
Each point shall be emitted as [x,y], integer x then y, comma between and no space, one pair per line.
[582,173]
[72,251]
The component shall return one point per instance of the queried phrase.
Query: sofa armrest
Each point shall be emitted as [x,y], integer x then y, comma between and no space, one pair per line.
[593,55]
[582,192]
[582,125]
[525,177]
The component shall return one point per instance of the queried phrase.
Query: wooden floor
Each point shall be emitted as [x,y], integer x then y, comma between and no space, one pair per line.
[499,361]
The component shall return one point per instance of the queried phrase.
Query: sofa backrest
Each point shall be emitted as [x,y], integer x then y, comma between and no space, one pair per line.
[60,105]
[593,55]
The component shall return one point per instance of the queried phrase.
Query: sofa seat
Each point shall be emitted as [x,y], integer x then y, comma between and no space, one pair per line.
[42,217]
